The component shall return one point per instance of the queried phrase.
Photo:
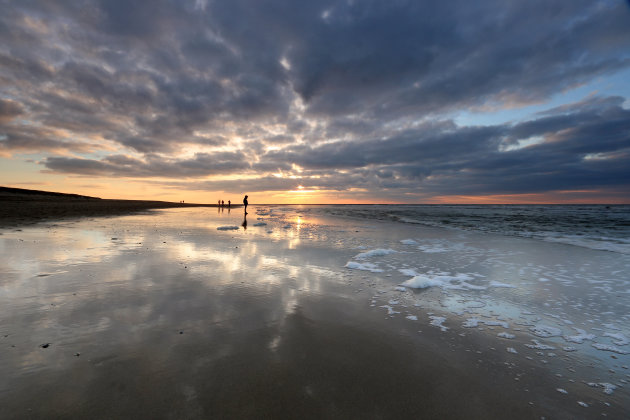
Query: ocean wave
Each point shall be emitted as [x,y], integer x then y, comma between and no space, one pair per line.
[598,227]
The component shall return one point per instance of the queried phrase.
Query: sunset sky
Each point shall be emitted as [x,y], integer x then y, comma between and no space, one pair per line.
[486,101]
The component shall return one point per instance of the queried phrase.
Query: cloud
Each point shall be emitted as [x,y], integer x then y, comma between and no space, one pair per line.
[9,110]
[437,158]
[32,139]
[201,164]
[343,95]
[419,57]
[580,145]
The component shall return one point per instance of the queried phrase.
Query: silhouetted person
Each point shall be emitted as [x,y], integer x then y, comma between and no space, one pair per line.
[244,224]
[245,204]
[229,204]
[222,203]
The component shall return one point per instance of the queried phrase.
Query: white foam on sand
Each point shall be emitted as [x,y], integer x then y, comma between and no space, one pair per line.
[374,253]
[506,335]
[542,330]
[400,289]
[390,310]
[499,284]
[408,242]
[471,323]
[363,266]
[511,350]
[457,281]
[437,321]
[606,347]
[497,323]
[580,337]
[228,228]
[539,346]
[562,391]
[608,387]
[408,271]
[260,224]
[618,338]
[432,249]
[611,326]
[412,317]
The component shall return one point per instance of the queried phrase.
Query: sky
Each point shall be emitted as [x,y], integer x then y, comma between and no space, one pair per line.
[288,101]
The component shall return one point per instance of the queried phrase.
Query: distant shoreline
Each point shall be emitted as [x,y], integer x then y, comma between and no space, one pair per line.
[22,206]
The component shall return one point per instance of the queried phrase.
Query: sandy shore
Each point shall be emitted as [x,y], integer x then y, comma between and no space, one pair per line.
[173,315]
[20,207]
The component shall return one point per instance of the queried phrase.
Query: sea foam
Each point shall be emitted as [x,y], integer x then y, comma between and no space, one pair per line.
[374,253]
[438,321]
[458,281]
[363,266]
[618,338]
[545,331]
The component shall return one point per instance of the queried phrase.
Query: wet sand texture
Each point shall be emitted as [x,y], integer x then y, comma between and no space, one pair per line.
[163,315]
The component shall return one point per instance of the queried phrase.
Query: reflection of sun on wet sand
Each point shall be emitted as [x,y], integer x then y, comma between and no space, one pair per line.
[20,206]
[183,313]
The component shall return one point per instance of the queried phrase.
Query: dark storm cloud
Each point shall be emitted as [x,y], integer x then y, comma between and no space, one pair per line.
[388,58]
[9,110]
[334,182]
[159,63]
[30,139]
[201,164]
[357,93]
[427,143]
[582,144]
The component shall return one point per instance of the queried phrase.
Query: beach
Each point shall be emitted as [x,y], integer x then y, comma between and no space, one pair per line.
[301,312]
[20,206]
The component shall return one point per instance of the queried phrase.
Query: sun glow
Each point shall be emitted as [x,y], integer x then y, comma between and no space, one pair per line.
[302,189]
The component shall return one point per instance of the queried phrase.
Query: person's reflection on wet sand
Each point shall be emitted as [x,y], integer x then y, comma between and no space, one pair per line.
[244,224]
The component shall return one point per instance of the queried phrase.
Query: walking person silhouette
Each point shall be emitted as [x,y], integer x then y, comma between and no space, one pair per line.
[245,204]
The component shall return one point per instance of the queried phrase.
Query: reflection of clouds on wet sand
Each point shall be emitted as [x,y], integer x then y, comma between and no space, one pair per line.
[145,278]
[169,300]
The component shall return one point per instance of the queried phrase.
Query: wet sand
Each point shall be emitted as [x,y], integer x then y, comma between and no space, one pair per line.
[164,316]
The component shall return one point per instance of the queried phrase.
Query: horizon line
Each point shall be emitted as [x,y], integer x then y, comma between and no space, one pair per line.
[32,191]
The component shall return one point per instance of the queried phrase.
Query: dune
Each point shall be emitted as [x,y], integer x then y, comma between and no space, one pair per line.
[23,206]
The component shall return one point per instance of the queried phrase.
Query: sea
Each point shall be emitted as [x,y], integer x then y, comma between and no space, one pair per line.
[601,227]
